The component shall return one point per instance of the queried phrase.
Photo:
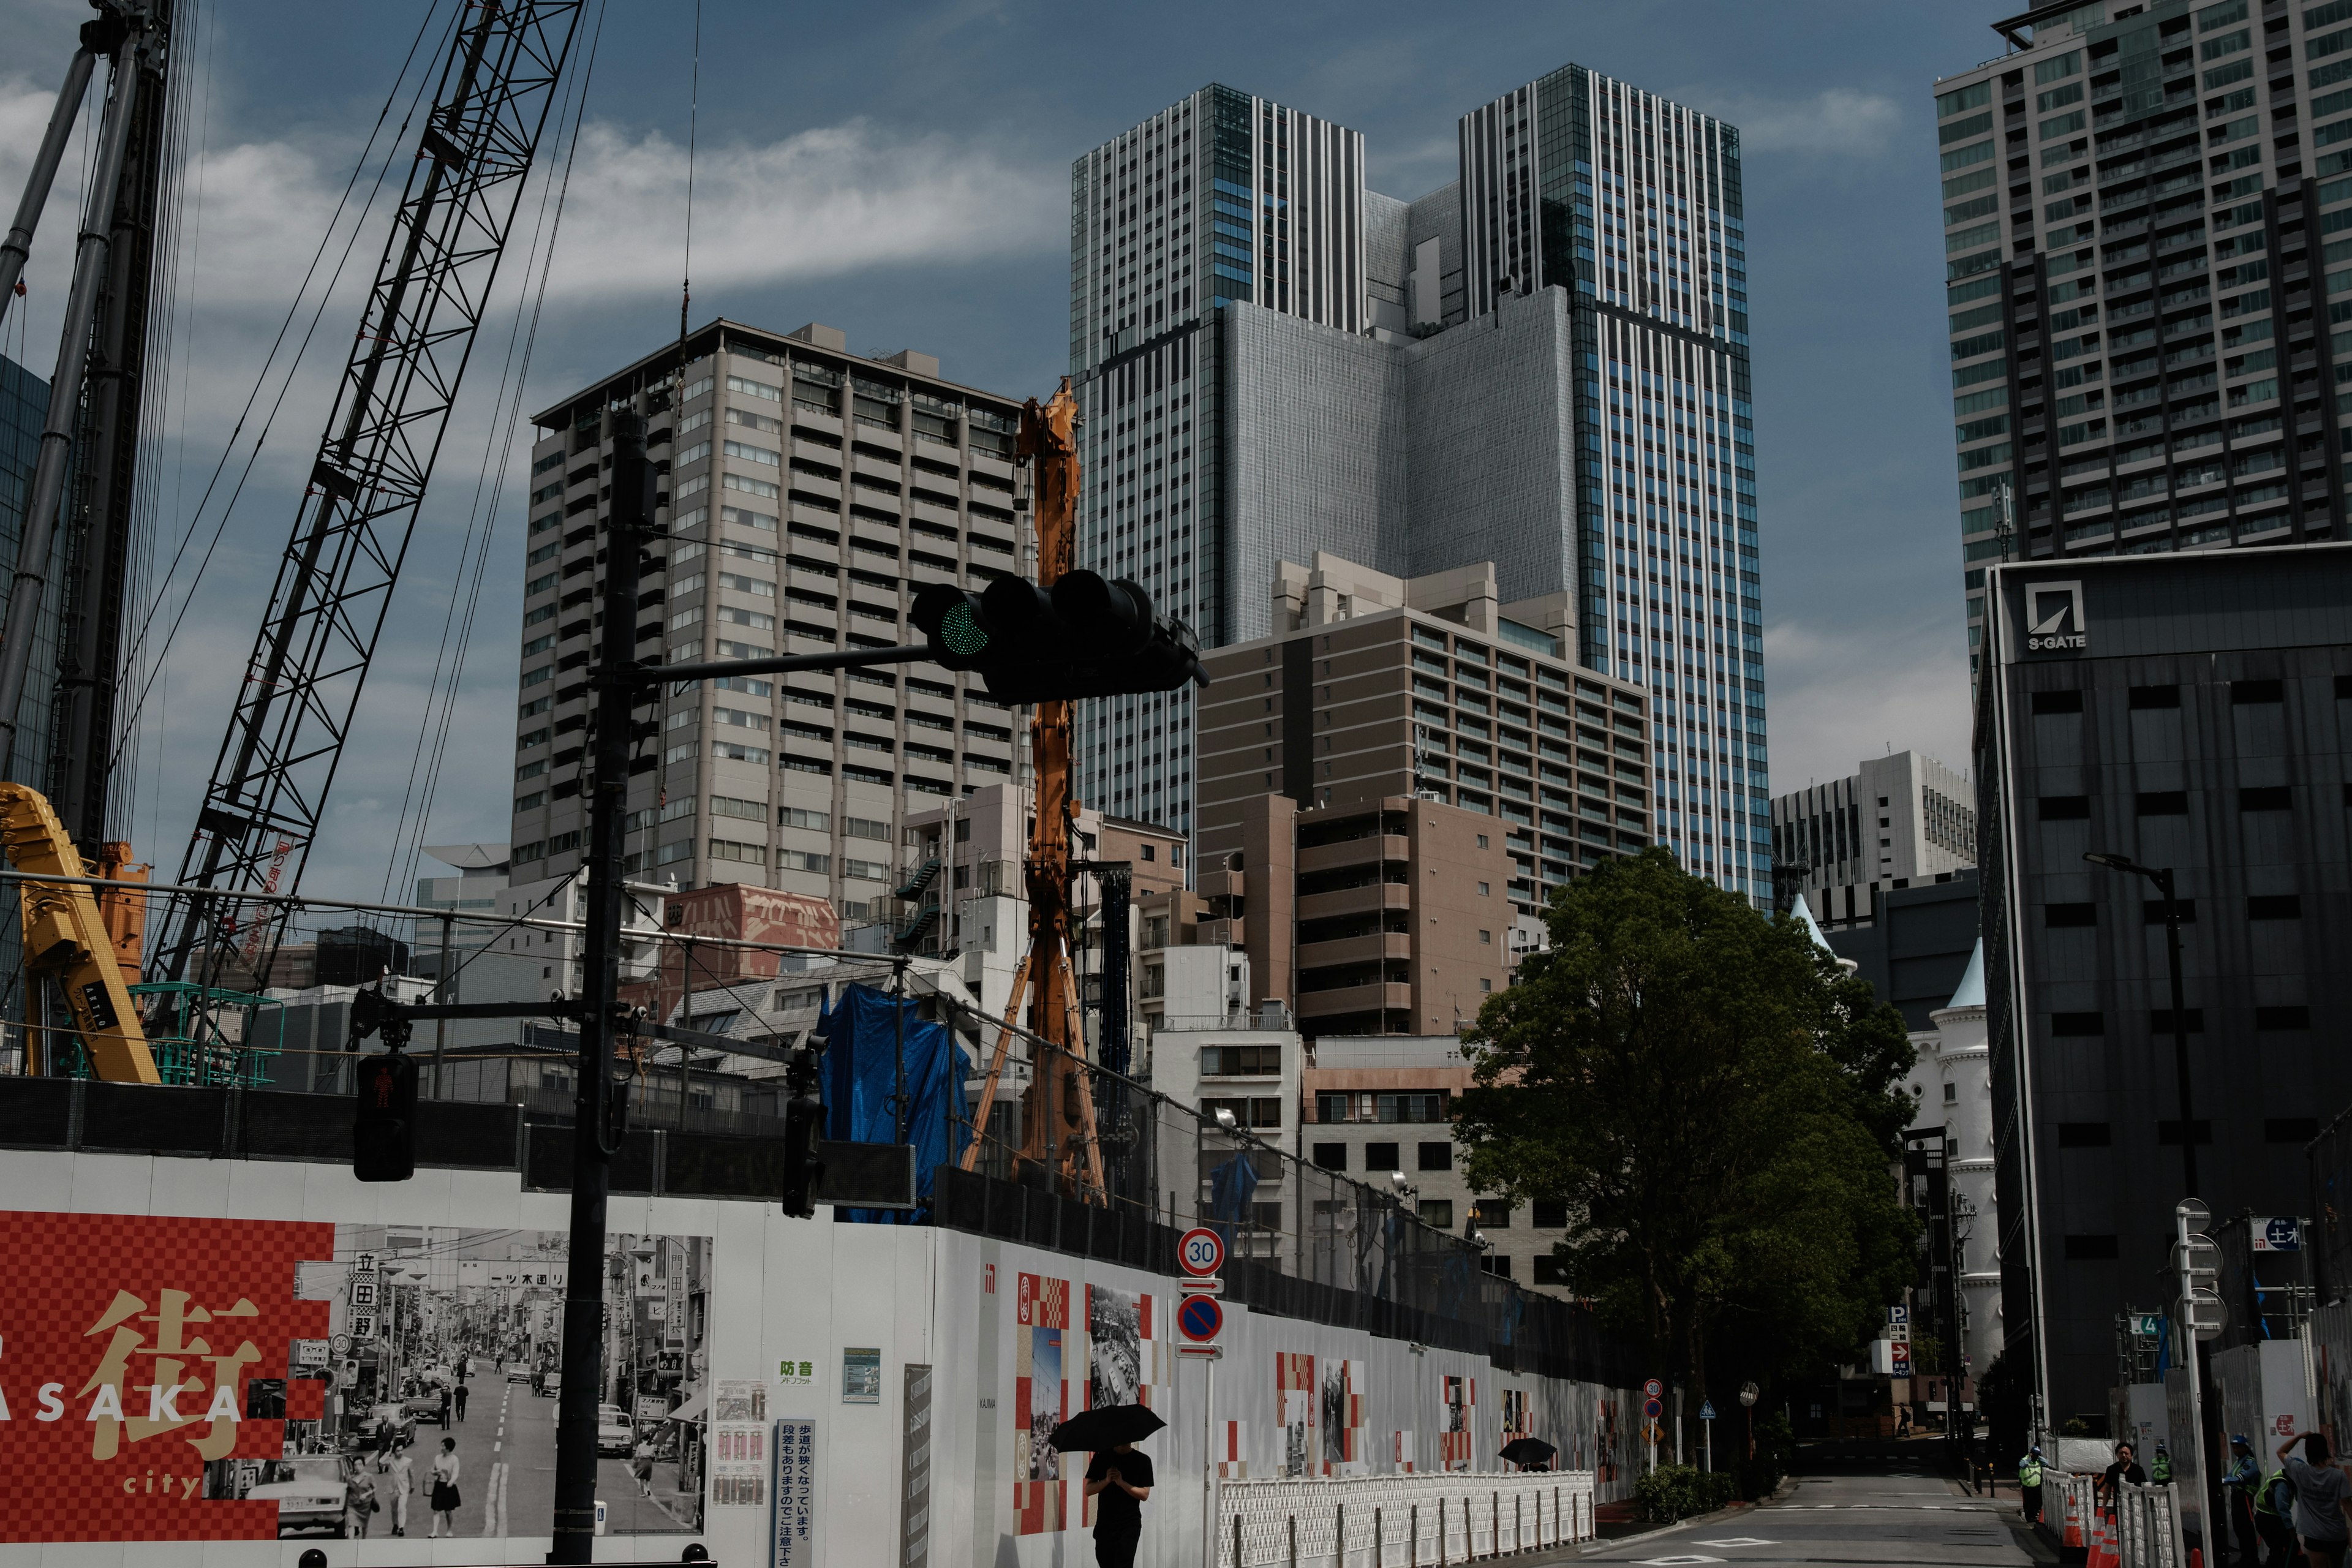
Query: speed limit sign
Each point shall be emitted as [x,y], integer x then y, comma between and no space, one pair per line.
[1201,1252]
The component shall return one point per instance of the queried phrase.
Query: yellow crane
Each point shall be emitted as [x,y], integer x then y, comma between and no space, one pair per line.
[68,939]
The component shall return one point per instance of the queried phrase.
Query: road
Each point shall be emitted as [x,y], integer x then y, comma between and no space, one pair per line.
[1902,1519]
[506,1480]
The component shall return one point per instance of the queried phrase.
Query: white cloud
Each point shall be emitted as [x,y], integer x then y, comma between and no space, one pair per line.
[1837,698]
[818,203]
[1838,123]
[837,199]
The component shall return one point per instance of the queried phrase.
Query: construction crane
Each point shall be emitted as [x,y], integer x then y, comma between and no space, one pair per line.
[81,502]
[68,939]
[1058,1135]
[268,787]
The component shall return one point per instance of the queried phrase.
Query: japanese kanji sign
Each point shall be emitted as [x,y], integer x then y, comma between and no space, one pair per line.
[129,1355]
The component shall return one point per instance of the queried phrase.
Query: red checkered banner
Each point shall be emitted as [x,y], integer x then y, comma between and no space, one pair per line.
[130,1354]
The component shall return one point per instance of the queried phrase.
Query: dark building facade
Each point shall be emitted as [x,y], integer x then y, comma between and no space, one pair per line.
[2188,712]
[1916,945]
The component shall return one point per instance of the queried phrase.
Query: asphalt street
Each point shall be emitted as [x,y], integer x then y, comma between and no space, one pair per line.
[1902,1519]
[506,1450]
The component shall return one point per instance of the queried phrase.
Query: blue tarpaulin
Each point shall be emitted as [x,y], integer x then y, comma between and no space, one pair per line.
[861,1074]
[1230,1186]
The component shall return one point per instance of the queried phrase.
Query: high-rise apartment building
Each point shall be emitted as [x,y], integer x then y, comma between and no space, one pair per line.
[1430,688]
[2136,201]
[1542,365]
[1898,819]
[810,493]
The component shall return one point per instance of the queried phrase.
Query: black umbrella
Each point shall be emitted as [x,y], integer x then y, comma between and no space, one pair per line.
[1528,1451]
[1105,1428]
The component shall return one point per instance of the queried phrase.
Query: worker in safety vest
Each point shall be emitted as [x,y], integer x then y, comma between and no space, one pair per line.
[2274,1519]
[2160,1471]
[2239,1483]
[2029,1483]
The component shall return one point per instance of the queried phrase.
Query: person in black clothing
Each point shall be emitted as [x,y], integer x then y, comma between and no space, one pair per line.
[461,1402]
[1121,1478]
[2124,1468]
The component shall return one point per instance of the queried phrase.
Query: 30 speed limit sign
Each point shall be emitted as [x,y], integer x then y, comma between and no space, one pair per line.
[1201,1252]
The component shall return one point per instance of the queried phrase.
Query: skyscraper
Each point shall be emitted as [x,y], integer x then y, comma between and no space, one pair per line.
[2132,200]
[1543,363]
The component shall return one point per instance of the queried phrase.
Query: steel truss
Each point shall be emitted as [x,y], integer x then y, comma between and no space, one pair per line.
[269,783]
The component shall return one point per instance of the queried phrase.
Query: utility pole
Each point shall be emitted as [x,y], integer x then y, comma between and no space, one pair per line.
[596,1131]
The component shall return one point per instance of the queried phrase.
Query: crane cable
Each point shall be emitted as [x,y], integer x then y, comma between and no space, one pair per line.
[456,632]
[155,609]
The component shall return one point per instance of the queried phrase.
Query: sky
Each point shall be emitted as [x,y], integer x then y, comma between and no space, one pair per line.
[902,172]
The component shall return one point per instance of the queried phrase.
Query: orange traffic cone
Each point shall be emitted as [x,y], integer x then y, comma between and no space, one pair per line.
[2073,1540]
[2103,1552]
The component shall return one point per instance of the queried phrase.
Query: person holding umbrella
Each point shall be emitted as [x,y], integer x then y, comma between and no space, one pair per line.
[1120,1475]
[1528,1453]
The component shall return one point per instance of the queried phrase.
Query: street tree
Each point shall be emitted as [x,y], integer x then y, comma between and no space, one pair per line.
[1718,1107]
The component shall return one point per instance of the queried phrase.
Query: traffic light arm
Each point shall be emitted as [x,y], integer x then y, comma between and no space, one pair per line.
[784,664]
[404,1014]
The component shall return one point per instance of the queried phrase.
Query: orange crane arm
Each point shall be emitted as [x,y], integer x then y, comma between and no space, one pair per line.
[67,937]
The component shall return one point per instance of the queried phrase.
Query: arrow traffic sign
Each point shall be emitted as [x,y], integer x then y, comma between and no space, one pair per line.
[1201,1318]
[1201,1252]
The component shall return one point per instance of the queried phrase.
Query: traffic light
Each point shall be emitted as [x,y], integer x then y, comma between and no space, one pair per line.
[803,1125]
[1087,636]
[384,1131]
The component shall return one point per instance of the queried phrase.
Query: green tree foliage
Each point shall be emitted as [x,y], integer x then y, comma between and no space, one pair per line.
[1720,1109]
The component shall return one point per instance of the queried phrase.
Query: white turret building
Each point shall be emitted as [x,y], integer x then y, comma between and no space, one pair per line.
[1954,1072]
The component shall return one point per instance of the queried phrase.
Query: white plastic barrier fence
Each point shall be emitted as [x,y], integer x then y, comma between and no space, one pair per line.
[2148,1527]
[2068,1506]
[1399,1522]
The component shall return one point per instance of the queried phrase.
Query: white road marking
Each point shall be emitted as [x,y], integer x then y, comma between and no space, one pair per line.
[1675,1562]
[493,1508]
[1739,1540]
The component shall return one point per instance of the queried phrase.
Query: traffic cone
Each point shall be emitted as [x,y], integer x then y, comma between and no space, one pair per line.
[2073,1540]
[2102,1553]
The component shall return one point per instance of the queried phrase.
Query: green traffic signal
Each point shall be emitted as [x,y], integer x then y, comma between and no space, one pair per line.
[960,632]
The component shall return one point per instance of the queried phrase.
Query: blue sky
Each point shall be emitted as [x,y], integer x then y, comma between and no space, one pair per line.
[901,172]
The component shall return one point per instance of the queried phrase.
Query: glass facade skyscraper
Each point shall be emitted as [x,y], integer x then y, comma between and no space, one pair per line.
[2137,206]
[1543,363]
[1221,200]
[1632,203]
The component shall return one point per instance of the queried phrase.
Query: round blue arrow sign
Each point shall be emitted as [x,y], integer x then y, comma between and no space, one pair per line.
[1200,1319]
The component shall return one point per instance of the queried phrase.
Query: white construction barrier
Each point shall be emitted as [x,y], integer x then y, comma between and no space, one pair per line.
[2069,1506]
[2148,1527]
[1400,1521]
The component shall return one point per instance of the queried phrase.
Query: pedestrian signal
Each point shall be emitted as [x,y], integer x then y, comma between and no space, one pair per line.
[384,1131]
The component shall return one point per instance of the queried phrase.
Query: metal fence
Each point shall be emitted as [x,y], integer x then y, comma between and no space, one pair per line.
[1399,1522]
[2329,1160]
[1302,1241]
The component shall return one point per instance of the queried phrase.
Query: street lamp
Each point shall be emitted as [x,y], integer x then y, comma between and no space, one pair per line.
[2162,877]
[2199,1367]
